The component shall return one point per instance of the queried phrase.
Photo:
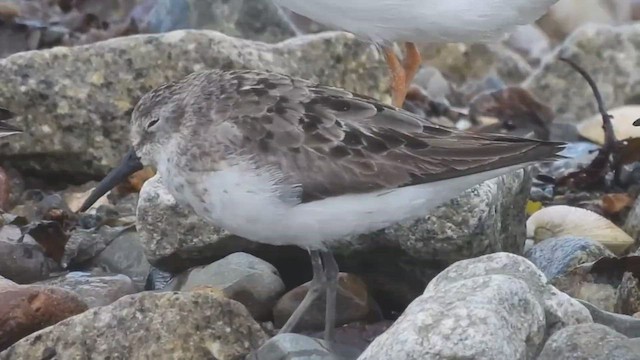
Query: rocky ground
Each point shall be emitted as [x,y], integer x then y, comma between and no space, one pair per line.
[538,264]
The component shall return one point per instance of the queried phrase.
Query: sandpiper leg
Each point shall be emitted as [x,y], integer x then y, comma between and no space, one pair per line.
[402,74]
[398,77]
[411,63]
[315,290]
[331,273]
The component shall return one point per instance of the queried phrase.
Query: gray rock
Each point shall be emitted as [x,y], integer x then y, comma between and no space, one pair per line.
[589,342]
[174,237]
[624,324]
[23,261]
[556,256]
[608,53]
[246,19]
[632,223]
[242,277]
[125,255]
[560,309]
[92,89]
[194,325]
[487,317]
[94,289]
[300,347]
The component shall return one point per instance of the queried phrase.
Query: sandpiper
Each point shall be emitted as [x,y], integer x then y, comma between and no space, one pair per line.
[418,22]
[284,161]
[5,128]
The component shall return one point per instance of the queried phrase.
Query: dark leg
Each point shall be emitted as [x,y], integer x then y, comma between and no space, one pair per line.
[315,289]
[331,273]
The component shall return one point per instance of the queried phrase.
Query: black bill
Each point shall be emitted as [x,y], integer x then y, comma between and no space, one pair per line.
[128,165]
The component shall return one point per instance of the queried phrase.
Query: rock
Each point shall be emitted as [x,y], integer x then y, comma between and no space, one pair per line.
[589,341]
[460,63]
[563,220]
[622,122]
[84,244]
[568,15]
[23,261]
[174,237]
[530,42]
[94,290]
[125,255]
[624,324]
[557,256]
[28,308]
[591,46]
[486,317]
[484,219]
[242,277]
[353,303]
[300,347]
[632,223]
[560,309]
[193,325]
[74,88]
[496,306]
[246,19]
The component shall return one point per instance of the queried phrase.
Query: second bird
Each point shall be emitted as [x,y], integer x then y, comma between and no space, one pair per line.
[419,22]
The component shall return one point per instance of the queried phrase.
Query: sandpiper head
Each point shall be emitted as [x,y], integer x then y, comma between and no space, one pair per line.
[154,121]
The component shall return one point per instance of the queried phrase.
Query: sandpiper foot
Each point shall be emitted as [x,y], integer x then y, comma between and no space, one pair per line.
[402,74]
[325,278]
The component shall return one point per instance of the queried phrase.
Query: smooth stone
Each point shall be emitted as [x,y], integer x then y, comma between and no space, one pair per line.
[193,325]
[557,256]
[624,324]
[300,347]
[246,19]
[125,255]
[589,341]
[23,261]
[353,303]
[94,289]
[242,277]
[632,223]
[486,317]
[560,309]
[25,309]
[590,46]
[92,89]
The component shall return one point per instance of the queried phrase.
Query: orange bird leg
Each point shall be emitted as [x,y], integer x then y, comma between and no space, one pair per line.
[402,74]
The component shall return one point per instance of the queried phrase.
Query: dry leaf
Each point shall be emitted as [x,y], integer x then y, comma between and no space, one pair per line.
[612,204]
[515,108]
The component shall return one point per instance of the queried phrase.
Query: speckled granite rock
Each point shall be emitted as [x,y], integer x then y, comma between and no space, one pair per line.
[503,301]
[246,19]
[484,219]
[25,309]
[488,317]
[95,290]
[193,325]
[590,341]
[242,277]
[76,102]
[610,54]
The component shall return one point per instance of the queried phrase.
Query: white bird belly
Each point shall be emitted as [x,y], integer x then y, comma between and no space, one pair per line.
[422,21]
[245,204]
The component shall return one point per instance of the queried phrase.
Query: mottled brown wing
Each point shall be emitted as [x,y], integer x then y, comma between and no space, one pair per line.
[333,142]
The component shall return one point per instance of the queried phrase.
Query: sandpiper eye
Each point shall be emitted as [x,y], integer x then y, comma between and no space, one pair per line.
[152,123]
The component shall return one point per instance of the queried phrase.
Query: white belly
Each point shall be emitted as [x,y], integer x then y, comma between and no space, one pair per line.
[245,204]
[422,21]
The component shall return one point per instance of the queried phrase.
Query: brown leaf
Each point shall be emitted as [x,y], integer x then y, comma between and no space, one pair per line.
[612,204]
[628,152]
[515,108]
[135,181]
[50,236]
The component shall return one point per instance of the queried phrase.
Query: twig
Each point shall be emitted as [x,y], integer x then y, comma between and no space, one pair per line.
[595,172]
